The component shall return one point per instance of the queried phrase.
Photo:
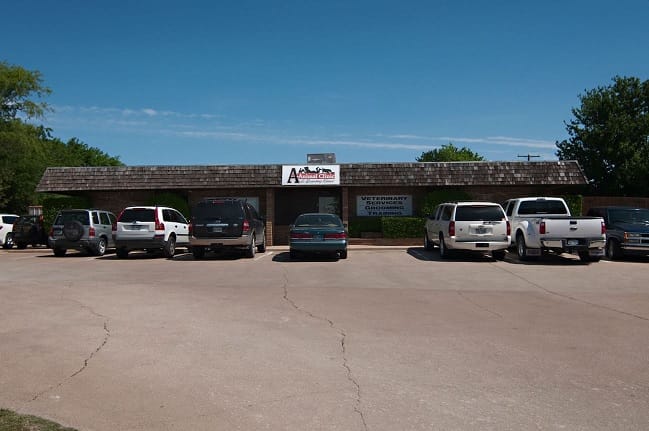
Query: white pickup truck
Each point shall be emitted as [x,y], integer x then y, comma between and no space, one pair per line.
[544,224]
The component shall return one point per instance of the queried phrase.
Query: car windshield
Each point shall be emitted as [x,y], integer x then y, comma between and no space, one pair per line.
[131,215]
[70,216]
[542,207]
[9,219]
[481,213]
[629,216]
[218,209]
[26,219]
[329,220]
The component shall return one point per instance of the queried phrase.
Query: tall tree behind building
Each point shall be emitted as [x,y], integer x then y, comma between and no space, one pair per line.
[609,137]
[26,150]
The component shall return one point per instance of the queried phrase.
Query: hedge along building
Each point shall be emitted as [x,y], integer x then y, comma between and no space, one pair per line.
[281,192]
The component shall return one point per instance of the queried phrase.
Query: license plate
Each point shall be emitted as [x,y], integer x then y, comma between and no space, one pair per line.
[481,230]
[317,237]
[216,229]
[136,227]
[573,242]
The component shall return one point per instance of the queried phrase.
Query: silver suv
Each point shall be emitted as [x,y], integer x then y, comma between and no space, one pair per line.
[469,226]
[82,229]
[150,228]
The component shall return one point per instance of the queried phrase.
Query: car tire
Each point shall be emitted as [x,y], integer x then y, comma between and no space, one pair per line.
[343,254]
[198,251]
[521,247]
[9,241]
[169,249]
[498,254]
[613,249]
[444,252]
[261,248]
[100,248]
[21,245]
[292,254]
[73,230]
[59,252]
[122,252]
[252,248]
[585,256]
[428,244]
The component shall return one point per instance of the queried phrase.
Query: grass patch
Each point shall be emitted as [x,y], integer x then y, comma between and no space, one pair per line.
[11,421]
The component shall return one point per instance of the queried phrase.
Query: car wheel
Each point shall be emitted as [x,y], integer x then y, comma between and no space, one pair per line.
[261,248]
[9,241]
[198,251]
[73,230]
[428,244]
[613,249]
[444,252]
[100,248]
[122,253]
[521,248]
[21,245]
[498,254]
[343,254]
[169,248]
[59,252]
[252,248]
[584,256]
[293,254]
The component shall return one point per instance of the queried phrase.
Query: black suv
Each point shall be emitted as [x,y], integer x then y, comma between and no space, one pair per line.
[221,223]
[28,229]
[627,230]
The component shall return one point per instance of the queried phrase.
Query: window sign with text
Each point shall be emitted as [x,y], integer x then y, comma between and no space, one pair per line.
[384,205]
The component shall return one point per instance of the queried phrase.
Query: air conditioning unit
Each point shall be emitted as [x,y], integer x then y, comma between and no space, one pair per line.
[321,158]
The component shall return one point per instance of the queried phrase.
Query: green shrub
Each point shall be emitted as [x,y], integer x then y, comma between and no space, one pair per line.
[364,224]
[403,227]
[575,203]
[434,198]
[52,204]
[171,200]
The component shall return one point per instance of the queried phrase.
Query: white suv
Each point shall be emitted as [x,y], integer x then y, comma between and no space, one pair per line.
[6,229]
[470,226]
[150,228]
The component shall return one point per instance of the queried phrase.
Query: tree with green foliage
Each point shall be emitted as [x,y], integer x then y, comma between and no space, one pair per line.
[609,137]
[18,86]
[26,150]
[450,153]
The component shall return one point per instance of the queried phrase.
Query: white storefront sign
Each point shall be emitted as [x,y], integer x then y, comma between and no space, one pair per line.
[310,175]
[384,205]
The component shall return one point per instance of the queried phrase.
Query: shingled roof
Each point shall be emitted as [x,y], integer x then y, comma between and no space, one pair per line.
[67,179]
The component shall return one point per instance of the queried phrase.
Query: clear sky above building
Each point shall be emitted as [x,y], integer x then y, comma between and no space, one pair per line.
[256,82]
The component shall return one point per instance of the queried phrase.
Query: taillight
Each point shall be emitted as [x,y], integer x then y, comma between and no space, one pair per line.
[91,232]
[190,227]
[603,228]
[158,224]
[339,235]
[451,228]
[542,228]
[246,226]
[509,228]
[52,231]
[301,235]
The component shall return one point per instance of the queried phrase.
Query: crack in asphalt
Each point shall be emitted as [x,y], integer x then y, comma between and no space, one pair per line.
[572,298]
[343,339]
[87,360]
[475,304]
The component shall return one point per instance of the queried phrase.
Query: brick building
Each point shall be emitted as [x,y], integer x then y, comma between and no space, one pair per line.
[281,192]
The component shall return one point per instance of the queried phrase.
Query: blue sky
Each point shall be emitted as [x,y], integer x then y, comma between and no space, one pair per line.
[256,82]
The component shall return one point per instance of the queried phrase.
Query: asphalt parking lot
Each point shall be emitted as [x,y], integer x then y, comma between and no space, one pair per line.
[389,339]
